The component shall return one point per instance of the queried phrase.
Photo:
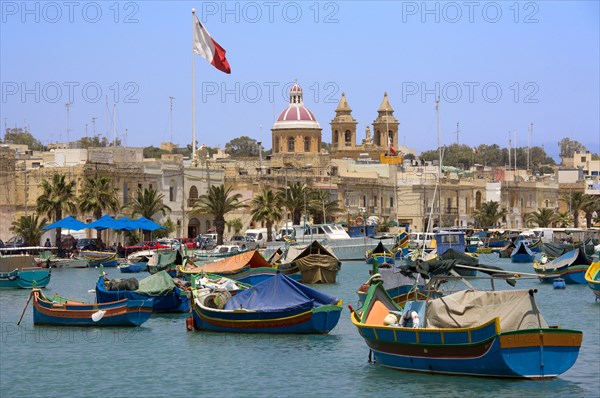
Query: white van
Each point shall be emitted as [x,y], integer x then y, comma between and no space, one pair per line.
[259,235]
[418,239]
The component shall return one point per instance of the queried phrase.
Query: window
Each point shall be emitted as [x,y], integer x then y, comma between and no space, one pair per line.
[348,138]
[391,201]
[172,193]
[583,159]
[335,138]
[306,144]
[125,193]
[290,144]
[193,195]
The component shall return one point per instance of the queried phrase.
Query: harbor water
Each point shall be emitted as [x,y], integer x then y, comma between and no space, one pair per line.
[162,359]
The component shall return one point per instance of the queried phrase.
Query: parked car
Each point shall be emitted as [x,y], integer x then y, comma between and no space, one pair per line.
[190,243]
[146,245]
[87,244]
[244,242]
[205,242]
[15,242]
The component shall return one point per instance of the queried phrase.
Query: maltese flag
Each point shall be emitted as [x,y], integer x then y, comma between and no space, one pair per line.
[210,50]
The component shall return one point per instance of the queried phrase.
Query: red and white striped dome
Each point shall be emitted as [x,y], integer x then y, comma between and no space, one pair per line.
[296,115]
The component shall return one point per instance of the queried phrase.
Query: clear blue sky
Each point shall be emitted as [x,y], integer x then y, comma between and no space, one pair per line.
[542,56]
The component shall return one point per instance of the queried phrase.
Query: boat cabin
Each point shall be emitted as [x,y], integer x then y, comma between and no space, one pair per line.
[446,240]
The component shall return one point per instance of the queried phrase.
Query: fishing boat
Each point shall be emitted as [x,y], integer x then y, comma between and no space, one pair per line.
[133,268]
[400,287]
[476,333]
[219,252]
[380,254]
[48,260]
[276,305]
[99,258]
[521,253]
[22,271]
[167,260]
[592,277]
[570,266]
[247,267]
[63,312]
[167,295]
[315,263]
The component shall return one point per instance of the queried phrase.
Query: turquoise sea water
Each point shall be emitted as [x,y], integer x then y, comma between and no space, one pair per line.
[162,359]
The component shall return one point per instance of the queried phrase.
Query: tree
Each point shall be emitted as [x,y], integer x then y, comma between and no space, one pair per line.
[98,195]
[218,202]
[321,207]
[489,214]
[576,201]
[242,147]
[164,233]
[591,207]
[543,218]
[296,199]
[569,147]
[58,195]
[30,228]
[564,219]
[20,136]
[267,207]
[147,203]
[235,224]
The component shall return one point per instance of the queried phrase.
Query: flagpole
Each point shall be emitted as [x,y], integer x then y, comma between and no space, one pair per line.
[193,90]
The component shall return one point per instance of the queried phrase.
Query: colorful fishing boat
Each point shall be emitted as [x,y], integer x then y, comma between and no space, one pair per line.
[570,266]
[276,305]
[400,287]
[247,267]
[166,260]
[521,253]
[98,258]
[166,294]
[63,312]
[476,333]
[314,263]
[592,277]
[380,255]
[22,272]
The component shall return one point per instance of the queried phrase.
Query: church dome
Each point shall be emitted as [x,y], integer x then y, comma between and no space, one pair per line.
[296,115]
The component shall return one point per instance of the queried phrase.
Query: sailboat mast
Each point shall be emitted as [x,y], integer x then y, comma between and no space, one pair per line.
[439,134]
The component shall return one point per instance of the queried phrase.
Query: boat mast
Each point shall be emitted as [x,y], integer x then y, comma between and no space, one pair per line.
[440,161]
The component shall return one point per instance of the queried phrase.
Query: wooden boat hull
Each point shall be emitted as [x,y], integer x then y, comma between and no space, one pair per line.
[592,277]
[25,278]
[534,353]
[318,320]
[130,268]
[97,259]
[177,301]
[120,313]
[522,258]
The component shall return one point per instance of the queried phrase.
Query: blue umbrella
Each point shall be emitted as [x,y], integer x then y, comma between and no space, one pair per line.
[124,224]
[147,225]
[67,223]
[104,222]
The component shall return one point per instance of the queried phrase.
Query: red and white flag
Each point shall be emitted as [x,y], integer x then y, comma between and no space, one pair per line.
[392,150]
[210,50]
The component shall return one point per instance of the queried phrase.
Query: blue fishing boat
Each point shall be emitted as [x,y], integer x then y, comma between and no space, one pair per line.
[130,268]
[22,272]
[166,295]
[522,253]
[571,267]
[592,277]
[476,333]
[62,312]
[380,255]
[276,305]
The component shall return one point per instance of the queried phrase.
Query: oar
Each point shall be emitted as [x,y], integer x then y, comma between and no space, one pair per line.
[26,304]
[96,316]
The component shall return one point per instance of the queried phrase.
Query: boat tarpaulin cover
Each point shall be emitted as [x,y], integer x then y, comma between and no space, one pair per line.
[516,310]
[159,284]
[279,293]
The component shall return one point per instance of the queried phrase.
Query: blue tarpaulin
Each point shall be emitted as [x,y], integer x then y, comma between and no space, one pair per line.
[278,293]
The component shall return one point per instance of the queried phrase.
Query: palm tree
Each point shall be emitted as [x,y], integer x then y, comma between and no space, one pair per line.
[147,202]
[564,219]
[296,196]
[593,206]
[30,228]
[218,202]
[576,201]
[543,218]
[97,196]
[267,207]
[58,195]
[489,214]
[320,206]
[236,224]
